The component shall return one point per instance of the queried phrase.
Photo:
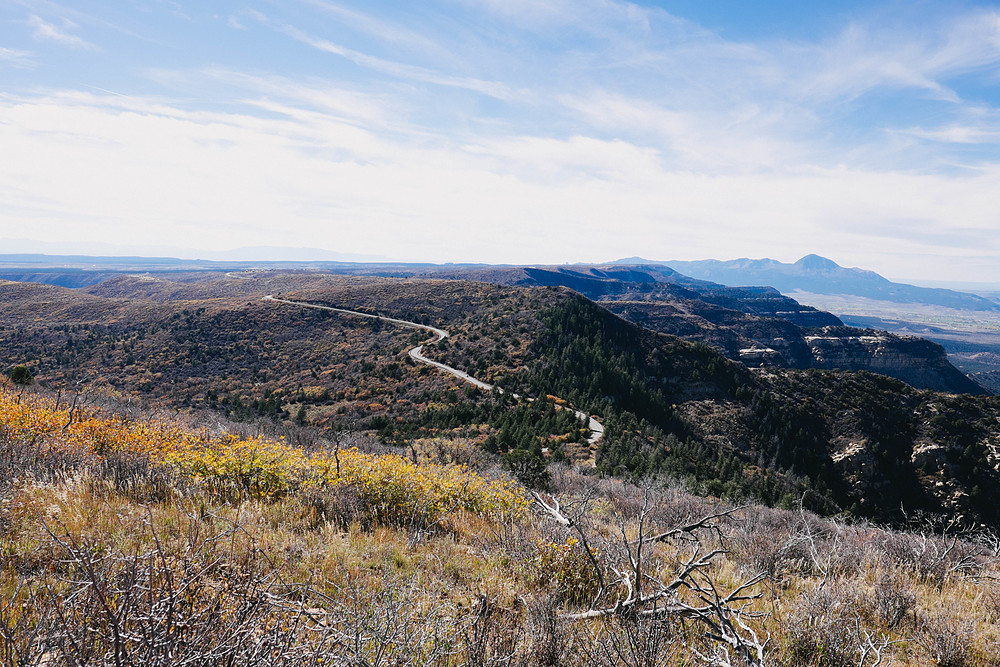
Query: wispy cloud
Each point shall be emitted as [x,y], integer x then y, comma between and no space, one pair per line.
[49,31]
[974,126]
[740,138]
[402,70]
[603,18]
[377,28]
[175,9]
[16,58]
[864,58]
[304,95]
[959,134]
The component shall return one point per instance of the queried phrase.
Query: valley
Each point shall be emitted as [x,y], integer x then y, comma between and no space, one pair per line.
[965,324]
[684,405]
[486,333]
[475,439]
[971,337]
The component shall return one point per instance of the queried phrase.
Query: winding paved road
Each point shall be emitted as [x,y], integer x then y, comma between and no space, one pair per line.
[416,353]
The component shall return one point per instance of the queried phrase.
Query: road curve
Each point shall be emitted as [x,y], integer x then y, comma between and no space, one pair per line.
[416,353]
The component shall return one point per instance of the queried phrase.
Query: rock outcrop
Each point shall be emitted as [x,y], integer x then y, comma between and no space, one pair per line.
[916,361]
[757,326]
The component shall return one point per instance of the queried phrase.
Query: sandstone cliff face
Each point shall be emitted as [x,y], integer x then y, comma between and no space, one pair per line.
[916,361]
[757,326]
[772,342]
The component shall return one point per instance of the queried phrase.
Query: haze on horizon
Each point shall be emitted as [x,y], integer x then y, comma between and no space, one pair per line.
[509,131]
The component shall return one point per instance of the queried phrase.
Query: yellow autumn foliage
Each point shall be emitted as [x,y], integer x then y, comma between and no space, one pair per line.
[391,487]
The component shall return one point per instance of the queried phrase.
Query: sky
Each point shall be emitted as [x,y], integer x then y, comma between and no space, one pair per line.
[507,131]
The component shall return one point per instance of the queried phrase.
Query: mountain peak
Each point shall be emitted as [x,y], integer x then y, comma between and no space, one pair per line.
[817,263]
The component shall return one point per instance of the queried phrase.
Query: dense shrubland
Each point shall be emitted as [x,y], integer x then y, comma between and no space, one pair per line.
[246,360]
[838,442]
[127,539]
[835,442]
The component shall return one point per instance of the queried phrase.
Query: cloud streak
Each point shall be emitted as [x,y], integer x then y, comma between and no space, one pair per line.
[391,68]
[400,70]
[16,58]
[378,29]
[44,30]
[863,59]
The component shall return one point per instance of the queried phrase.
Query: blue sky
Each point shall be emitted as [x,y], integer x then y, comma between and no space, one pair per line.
[523,131]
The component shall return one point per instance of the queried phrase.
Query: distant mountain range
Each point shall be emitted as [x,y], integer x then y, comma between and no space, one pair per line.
[736,387]
[819,275]
[736,307]
[755,325]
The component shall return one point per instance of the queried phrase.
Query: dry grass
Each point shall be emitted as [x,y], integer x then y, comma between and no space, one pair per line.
[121,544]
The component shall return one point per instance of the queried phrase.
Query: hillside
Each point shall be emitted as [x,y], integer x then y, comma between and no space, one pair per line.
[144,540]
[210,345]
[757,326]
[215,344]
[682,408]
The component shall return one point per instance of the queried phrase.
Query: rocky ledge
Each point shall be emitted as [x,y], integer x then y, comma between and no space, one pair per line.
[916,361]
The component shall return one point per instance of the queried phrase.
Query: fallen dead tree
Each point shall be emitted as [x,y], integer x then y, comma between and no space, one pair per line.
[635,583]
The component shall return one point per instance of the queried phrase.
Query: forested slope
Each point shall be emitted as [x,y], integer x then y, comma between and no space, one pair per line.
[838,441]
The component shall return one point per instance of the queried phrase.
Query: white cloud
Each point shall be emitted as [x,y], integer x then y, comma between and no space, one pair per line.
[959,134]
[399,70]
[604,18]
[379,29]
[16,57]
[544,161]
[143,172]
[299,96]
[568,130]
[735,139]
[48,31]
[403,70]
[864,57]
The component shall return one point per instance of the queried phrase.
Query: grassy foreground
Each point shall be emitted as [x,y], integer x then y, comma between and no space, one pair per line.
[136,541]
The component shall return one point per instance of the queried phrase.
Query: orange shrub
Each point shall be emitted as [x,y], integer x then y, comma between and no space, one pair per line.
[390,486]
